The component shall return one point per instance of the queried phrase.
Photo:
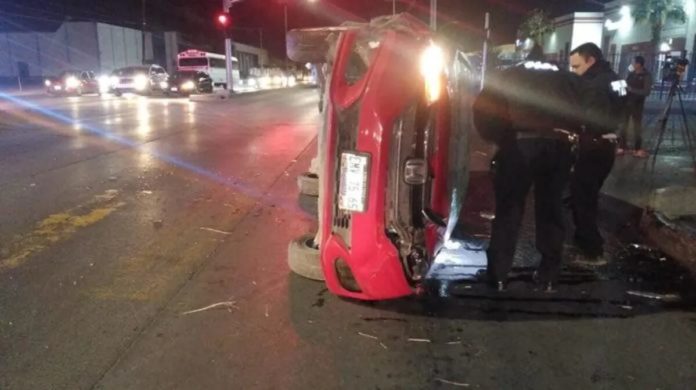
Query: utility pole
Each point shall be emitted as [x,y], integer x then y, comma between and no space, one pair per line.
[433,15]
[144,20]
[285,10]
[484,61]
[226,5]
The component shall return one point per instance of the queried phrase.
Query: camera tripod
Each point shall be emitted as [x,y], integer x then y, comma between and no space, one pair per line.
[688,138]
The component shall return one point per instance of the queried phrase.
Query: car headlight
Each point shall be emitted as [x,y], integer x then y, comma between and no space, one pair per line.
[277,80]
[113,80]
[292,81]
[72,82]
[432,67]
[140,82]
[47,83]
[104,83]
[187,86]
[163,84]
[352,194]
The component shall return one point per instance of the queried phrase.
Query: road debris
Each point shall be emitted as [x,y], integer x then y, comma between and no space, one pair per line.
[146,192]
[207,229]
[369,336]
[113,178]
[480,153]
[229,305]
[32,185]
[157,224]
[654,296]
[419,340]
[647,251]
[458,384]
[266,313]
[382,345]
[454,343]
[487,215]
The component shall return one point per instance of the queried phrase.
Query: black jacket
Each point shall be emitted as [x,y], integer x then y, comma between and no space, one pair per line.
[529,97]
[603,99]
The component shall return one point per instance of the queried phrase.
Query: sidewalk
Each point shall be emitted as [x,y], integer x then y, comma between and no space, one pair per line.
[27,91]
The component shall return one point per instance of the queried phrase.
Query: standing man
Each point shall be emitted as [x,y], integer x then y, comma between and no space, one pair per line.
[639,84]
[601,93]
[528,111]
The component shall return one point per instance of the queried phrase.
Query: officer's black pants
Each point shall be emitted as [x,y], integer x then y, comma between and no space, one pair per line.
[545,164]
[595,161]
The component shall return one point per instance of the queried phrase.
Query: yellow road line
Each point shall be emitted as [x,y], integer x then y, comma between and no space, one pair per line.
[59,227]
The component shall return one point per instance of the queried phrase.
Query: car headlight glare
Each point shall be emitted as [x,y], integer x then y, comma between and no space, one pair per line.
[432,67]
[187,86]
[72,82]
[47,83]
[140,82]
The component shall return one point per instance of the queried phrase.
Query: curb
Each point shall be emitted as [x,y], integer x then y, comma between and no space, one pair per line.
[221,96]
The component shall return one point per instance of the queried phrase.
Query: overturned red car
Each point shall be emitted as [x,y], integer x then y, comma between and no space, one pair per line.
[392,98]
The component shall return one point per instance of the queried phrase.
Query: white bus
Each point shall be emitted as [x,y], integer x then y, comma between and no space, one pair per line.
[210,63]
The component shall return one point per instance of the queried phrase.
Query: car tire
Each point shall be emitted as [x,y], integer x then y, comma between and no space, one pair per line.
[304,258]
[308,46]
[117,93]
[308,183]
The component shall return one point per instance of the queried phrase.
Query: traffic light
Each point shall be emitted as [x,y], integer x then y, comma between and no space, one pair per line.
[224,23]
[224,20]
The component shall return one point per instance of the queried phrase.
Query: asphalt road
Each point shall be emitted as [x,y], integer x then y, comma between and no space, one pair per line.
[118,217]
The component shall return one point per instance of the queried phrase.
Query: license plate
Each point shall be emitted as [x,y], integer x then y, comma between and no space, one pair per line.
[175,89]
[352,194]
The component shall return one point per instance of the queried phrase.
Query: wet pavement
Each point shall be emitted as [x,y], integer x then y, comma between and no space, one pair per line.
[143,246]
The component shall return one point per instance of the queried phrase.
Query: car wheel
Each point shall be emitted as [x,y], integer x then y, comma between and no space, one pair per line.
[308,183]
[308,46]
[304,258]
[117,93]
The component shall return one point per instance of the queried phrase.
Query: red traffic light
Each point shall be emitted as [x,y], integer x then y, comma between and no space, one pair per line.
[224,19]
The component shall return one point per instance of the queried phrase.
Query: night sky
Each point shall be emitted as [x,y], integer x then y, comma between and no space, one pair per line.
[194,17]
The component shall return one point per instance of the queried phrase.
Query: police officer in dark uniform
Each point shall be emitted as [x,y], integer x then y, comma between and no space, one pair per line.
[602,95]
[530,112]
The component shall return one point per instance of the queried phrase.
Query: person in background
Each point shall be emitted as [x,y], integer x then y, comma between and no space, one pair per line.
[639,84]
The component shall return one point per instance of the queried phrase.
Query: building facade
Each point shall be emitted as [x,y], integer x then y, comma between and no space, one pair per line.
[622,38]
[74,45]
[571,31]
[98,47]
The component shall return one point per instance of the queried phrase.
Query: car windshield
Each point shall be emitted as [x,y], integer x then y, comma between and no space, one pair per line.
[199,61]
[130,71]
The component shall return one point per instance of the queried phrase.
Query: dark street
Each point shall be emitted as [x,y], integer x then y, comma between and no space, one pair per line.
[121,218]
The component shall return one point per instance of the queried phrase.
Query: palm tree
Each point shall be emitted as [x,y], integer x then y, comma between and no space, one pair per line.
[657,13]
[537,24]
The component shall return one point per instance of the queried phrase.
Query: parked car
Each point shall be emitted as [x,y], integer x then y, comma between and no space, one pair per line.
[72,82]
[142,80]
[189,82]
